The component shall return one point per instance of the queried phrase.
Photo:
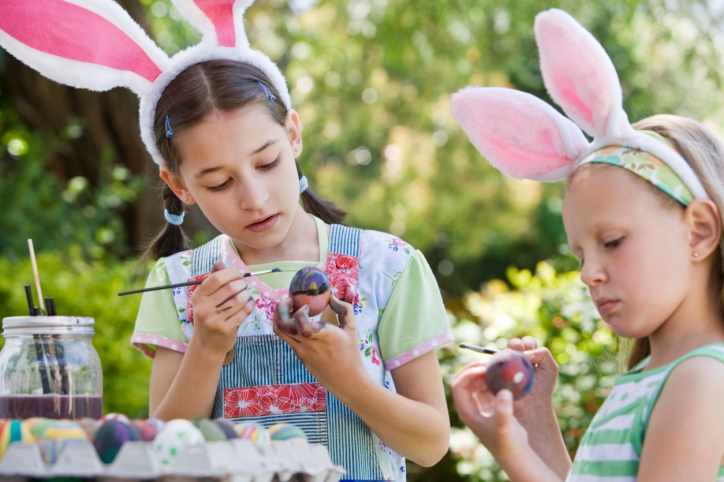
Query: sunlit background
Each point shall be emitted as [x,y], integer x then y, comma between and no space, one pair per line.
[371,80]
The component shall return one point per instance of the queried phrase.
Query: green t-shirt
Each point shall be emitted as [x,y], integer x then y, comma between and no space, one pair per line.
[414,314]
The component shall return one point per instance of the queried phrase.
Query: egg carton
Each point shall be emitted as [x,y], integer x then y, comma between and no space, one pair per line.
[229,461]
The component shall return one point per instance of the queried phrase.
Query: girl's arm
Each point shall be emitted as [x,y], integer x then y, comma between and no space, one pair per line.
[685,436]
[535,411]
[413,422]
[184,385]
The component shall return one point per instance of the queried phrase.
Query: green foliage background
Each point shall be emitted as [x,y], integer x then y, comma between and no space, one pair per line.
[372,81]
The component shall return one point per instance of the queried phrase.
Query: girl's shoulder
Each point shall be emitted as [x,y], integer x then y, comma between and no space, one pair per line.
[381,242]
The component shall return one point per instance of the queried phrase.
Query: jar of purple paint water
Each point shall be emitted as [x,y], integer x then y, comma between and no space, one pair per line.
[49,368]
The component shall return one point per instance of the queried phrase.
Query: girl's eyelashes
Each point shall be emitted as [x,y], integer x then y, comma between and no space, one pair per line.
[271,165]
[225,184]
[613,243]
[220,187]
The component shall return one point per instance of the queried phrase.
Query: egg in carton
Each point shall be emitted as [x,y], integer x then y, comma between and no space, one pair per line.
[233,461]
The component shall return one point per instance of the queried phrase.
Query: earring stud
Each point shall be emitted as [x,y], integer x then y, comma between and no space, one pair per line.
[696,255]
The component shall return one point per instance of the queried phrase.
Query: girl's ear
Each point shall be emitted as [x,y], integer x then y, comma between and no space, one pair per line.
[704,221]
[518,133]
[177,185]
[294,132]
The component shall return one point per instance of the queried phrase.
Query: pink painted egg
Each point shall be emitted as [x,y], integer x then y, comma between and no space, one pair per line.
[310,287]
[511,370]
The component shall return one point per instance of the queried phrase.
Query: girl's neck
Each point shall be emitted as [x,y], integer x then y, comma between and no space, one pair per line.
[696,322]
[300,244]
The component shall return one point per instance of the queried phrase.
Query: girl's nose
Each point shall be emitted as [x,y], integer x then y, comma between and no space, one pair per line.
[253,196]
[593,273]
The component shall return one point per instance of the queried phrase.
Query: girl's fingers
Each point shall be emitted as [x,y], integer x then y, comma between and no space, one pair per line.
[282,322]
[345,313]
[503,413]
[516,344]
[238,317]
[228,292]
[235,303]
[529,343]
[471,377]
[305,326]
[542,358]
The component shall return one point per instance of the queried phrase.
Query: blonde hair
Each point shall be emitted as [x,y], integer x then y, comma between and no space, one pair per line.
[705,154]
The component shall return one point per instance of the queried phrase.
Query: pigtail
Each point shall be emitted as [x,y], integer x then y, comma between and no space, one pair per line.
[172,238]
[327,211]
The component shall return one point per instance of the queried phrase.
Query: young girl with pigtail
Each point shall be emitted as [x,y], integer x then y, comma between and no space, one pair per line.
[364,379]
[643,212]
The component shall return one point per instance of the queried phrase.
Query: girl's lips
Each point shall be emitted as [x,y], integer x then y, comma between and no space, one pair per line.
[607,306]
[263,225]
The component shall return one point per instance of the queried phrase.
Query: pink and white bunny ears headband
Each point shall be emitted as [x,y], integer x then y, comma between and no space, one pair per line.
[94,44]
[525,138]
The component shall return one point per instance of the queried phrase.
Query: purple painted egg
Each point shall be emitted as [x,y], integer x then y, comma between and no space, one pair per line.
[111,436]
[511,370]
[310,287]
[115,416]
[227,427]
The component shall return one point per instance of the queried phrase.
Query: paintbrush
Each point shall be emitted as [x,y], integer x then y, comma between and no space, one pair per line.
[191,283]
[478,349]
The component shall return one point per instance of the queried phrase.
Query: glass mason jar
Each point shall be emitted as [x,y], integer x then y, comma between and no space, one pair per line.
[49,368]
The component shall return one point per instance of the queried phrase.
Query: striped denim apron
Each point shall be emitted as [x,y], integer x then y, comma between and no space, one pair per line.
[266,382]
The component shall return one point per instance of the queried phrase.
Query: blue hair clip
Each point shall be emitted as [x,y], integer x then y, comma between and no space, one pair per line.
[268,93]
[169,131]
[303,184]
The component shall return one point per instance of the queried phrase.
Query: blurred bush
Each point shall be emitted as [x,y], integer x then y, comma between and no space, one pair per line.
[554,308]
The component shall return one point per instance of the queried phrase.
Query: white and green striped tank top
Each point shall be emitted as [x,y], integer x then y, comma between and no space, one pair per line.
[611,449]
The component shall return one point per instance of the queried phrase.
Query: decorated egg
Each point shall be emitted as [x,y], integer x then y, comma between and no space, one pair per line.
[156,422]
[511,370]
[90,426]
[147,431]
[52,436]
[226,427]
[111,436]
[310,286]
[12,431]
[285,431]
[209,429]
[251,431]
[175,436]
[115,416]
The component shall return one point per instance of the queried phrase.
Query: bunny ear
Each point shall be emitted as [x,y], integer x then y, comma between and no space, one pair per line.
[93,44]
[517,133]
[580,76]
[221,22]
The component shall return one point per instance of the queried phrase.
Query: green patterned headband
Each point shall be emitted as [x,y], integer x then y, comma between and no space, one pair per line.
[645,165]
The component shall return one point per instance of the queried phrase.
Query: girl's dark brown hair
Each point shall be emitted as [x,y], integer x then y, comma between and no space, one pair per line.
[705,154]
[197,92]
